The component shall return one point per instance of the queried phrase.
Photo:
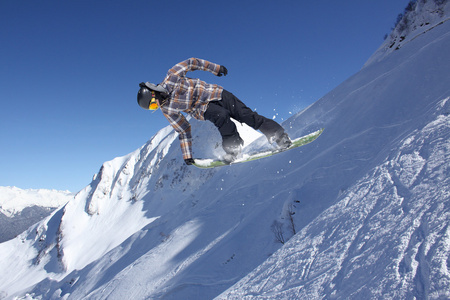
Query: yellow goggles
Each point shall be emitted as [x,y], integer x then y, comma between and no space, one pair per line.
[153,104]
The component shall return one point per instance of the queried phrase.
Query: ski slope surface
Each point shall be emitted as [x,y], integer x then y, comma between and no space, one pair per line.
[363,212]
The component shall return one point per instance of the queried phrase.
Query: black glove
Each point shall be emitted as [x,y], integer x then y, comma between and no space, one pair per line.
[222,71]
[189,161]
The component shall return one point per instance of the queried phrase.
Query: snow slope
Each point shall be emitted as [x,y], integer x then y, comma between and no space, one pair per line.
[387,236]
[368,201]
[19,209]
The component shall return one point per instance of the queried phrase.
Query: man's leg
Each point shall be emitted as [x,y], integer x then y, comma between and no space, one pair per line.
[240,112]
[220,117]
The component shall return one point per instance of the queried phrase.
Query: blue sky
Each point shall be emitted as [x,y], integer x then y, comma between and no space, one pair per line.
[70,70]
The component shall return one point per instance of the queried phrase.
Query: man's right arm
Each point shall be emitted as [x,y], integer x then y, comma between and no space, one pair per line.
[182,126]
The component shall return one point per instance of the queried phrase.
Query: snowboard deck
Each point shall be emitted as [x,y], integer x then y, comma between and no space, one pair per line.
[298,142]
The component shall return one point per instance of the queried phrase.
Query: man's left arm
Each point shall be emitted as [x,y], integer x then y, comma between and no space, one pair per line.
[193,64]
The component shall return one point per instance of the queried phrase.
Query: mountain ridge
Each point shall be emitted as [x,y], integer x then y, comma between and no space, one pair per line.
[19,208]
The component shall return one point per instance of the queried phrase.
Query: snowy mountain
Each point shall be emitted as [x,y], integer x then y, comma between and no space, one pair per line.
[362,212]
[419,17]
[19,209]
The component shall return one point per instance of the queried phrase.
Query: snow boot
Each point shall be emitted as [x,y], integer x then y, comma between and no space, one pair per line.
[283,141]
[232,147]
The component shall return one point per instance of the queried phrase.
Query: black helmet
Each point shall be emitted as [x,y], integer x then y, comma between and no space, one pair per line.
[144,95]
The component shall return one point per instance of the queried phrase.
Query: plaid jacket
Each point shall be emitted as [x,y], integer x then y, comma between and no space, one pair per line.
[190,96]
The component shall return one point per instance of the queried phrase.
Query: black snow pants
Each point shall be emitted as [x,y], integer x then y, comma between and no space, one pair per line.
[219,113]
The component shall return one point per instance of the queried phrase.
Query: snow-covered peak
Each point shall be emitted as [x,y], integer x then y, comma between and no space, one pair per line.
[13,200]
[419,17]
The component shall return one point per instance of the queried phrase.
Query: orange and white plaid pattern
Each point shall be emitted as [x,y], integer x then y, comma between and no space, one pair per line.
[188,95]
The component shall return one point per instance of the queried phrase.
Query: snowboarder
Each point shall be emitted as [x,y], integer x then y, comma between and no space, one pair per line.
[178,93]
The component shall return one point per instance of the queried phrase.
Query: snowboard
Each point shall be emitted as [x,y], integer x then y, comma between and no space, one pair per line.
[298,142]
